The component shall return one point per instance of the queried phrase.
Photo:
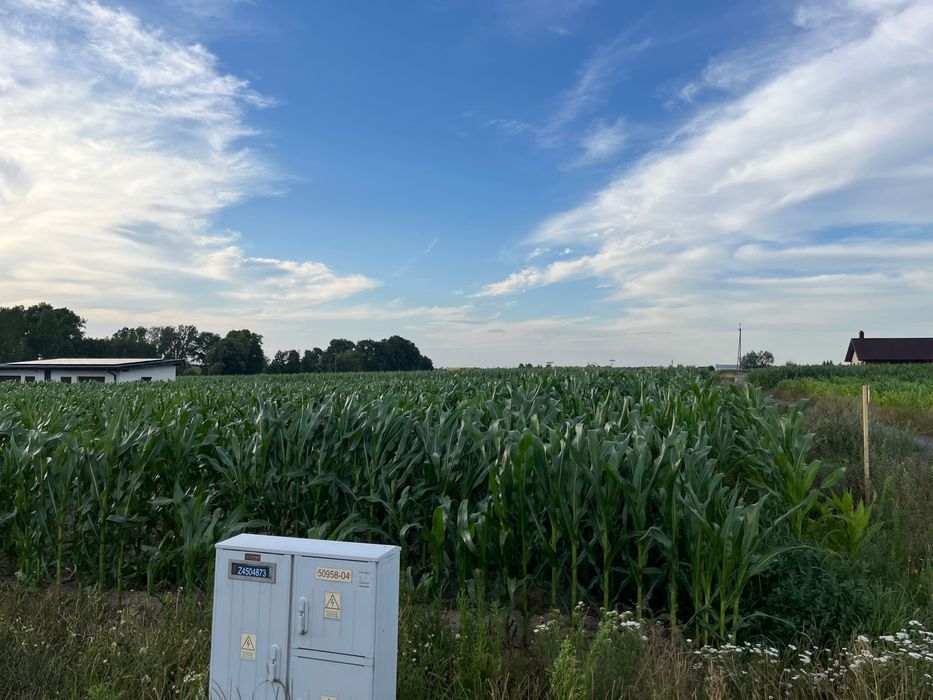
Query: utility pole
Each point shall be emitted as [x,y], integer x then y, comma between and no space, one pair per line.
[738,358]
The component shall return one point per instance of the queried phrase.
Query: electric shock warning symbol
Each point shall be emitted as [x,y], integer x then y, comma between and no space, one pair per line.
[331,606]
[248,646]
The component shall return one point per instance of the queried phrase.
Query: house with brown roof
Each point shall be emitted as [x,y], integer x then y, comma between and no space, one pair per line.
[864,350]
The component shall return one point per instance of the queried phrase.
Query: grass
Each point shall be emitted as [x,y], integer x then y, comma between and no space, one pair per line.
[900,551]
[901,395]
[82,645]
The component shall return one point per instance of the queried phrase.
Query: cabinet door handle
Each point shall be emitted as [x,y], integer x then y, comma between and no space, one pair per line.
[302,615]
[273,667]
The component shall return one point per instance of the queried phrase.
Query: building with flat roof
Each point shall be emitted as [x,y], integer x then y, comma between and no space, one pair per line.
[90,369]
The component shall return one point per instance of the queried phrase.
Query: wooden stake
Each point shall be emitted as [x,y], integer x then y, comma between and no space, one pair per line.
[866,397]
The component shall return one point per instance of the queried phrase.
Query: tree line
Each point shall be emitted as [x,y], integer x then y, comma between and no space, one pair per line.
[387,355]
[43,331]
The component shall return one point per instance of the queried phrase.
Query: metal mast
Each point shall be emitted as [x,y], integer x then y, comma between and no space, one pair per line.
[738,358]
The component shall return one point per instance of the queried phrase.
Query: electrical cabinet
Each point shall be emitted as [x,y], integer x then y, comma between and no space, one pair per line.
[304,619]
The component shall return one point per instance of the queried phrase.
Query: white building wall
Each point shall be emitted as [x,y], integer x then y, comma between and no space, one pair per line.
[155,374]
[37,376]
[163,373]
[57,374]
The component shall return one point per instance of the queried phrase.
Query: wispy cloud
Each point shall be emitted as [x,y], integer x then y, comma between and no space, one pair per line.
[596,77]
[599,74]
[509,126]
[836,133]
[602,141]
[209,9]
[118,145]
[527,16]
[430,246]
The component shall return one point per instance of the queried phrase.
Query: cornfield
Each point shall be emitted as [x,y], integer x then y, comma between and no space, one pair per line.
[658,490]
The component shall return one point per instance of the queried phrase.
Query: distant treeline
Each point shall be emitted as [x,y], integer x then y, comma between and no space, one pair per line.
[391,354]
[42,331]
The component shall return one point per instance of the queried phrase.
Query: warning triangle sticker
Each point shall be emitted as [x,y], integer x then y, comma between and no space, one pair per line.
[248,643]
[332,603]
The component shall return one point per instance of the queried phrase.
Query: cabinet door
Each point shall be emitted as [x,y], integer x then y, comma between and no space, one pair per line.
[315,679]
[249,632]
[333,606]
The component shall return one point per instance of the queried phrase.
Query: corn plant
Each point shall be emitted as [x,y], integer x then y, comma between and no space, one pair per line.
[656,489]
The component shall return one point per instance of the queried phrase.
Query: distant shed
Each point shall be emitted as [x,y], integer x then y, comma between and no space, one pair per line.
[864,350]
[90,369]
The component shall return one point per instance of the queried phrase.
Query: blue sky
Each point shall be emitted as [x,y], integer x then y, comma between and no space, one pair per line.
[521,180]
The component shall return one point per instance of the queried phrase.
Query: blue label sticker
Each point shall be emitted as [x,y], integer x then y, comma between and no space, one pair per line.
[252,571]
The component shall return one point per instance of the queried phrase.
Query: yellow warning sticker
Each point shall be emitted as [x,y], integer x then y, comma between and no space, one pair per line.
[331,606]
[248,646]
[328,697]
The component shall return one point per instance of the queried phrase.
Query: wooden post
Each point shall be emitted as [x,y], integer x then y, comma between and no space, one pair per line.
[866,398]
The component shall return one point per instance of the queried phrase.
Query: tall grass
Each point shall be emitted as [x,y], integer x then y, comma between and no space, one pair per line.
[85,645]
[903,394]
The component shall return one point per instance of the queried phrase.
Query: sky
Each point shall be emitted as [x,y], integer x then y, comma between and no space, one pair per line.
[501,181]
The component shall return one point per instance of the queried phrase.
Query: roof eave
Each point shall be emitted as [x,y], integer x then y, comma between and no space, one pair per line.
[851,351]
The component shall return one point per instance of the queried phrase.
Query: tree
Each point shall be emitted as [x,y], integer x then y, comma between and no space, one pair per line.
[12,334]
[240,352]
[311,360]
[292,362]
[342,355]
[132,342]
[277,363]
[337,350]
[372,355]
[755,360]
[52,332]
[285,362]
[403,355]
[176,342]
[203,346]
[126,342]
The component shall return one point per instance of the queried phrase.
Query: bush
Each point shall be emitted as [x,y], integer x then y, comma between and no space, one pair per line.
[824,598]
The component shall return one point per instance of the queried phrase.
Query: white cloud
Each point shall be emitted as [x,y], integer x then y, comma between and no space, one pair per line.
[602,142]
[209,9]
[527,16]
[118,145]
[788,201]
[513,127]
[596,77]
[498,342]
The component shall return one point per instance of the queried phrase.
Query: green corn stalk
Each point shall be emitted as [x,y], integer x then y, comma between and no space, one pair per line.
[670,500]
[605,458]
[639,472]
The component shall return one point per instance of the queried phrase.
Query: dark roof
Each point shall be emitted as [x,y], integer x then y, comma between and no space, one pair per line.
[891,349]
[90,363]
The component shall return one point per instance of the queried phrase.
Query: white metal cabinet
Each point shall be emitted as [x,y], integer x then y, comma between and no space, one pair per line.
[322,615]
